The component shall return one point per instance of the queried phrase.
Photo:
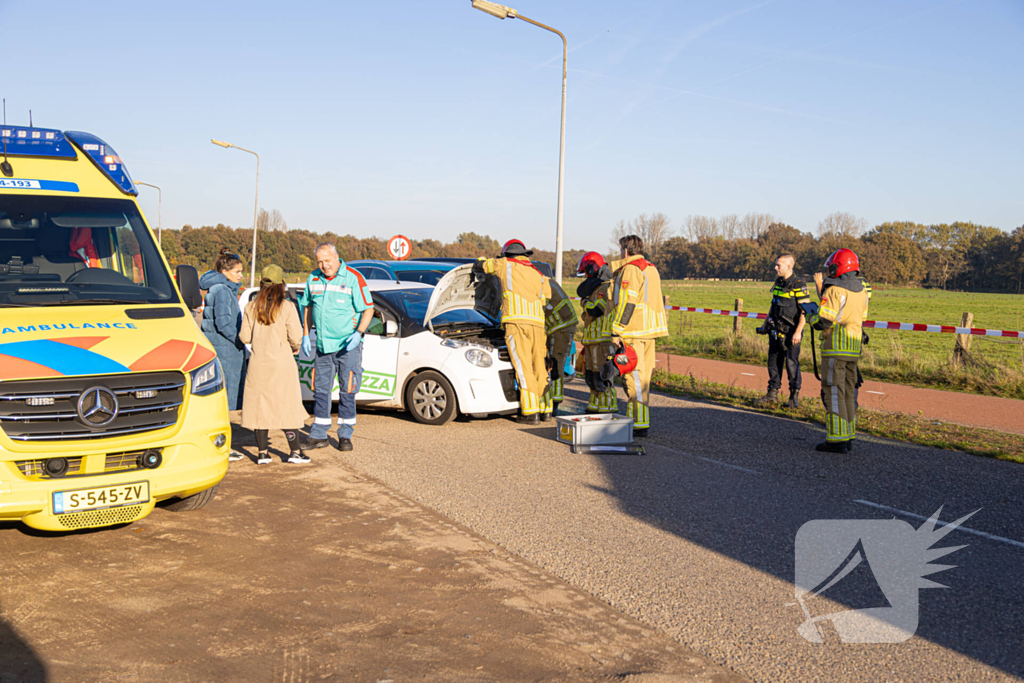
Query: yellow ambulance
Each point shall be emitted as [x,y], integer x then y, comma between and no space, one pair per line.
[111,399]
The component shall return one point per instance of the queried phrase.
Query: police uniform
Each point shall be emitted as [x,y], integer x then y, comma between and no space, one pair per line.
[338,304]
[525,291]
[560,322]
[598,347]
[843,309]
[638,318]
[784,314]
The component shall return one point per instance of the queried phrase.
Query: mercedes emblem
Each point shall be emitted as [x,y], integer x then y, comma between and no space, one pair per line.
[97,406]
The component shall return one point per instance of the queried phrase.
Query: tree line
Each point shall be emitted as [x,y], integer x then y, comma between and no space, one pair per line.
[959,255]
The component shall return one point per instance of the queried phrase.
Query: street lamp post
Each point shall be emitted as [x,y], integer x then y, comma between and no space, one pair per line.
[256,211]
[503,12]
[159,209]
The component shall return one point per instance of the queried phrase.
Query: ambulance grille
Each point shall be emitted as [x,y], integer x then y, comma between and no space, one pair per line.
[37,411]
[91,518]
[37,468]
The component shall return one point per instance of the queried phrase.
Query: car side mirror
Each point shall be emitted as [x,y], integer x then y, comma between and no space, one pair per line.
[188,284]
[390,328]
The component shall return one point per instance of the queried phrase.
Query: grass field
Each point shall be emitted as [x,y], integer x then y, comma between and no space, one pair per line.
[916,358]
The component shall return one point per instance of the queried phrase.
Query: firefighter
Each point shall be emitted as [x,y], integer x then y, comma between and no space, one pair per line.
[524,293]
[843,309]
[864,337]
[596,295]
[560,321]
[785,328]
[638,318]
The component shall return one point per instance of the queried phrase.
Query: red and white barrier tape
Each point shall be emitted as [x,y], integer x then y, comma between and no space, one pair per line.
[876,324]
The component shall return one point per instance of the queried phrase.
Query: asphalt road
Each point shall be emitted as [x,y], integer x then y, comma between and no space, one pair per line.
[301,573]
[697,537]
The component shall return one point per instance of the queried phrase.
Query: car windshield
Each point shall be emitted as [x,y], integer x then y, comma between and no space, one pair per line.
[77,251]
[413,304]
[427,277]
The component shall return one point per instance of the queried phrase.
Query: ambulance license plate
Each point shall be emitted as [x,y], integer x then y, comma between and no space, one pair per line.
[100,497]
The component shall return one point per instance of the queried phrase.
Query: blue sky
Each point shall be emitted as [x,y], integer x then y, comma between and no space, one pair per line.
[431,118]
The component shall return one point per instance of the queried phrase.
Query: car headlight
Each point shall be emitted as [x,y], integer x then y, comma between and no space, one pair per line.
[478,357]
[208,379]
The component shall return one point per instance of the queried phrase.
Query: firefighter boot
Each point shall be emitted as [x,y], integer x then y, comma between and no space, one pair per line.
[794,399]
[832,447]
[768,399]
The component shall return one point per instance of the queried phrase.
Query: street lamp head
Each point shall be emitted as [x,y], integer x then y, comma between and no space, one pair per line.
[494,9]
[222,143]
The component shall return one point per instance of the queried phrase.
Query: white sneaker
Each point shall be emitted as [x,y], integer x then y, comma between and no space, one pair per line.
[263,459]
[235,456]
[299,458]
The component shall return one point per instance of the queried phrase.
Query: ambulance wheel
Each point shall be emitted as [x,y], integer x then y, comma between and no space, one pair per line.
[431,399]
[195,502]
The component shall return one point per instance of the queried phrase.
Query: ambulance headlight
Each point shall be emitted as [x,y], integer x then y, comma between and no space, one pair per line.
[208,379]
[479,357]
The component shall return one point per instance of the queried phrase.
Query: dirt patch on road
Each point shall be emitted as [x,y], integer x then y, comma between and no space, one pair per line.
[307,573]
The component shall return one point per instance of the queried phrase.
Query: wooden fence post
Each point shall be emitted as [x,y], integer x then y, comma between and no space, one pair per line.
[963,341]
[737,322]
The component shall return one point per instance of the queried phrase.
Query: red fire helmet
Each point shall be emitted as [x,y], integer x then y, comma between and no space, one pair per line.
[515,248]
[590,263]
[842,261]
[625,359]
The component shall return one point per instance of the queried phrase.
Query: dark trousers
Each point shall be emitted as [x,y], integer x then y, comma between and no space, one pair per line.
[778,357]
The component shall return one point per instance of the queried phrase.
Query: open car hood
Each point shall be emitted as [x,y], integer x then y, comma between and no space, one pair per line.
[460,288]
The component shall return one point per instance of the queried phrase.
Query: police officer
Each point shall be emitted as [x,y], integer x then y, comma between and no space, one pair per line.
[524,293]
[844,306]
[596,295]
[638,318]
[338,302]
[785,328]
[560,322]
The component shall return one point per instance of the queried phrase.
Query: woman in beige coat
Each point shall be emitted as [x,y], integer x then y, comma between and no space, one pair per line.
[272,398]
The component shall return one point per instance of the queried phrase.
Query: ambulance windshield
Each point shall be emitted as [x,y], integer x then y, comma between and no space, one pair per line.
[66,251]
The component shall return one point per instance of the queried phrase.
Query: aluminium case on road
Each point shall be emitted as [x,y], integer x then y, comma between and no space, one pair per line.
[608,432]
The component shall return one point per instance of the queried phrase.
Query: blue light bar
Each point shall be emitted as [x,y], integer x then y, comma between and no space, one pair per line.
[35,142]
[105,158]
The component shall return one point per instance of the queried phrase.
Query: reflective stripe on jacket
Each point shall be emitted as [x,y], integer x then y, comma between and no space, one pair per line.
[524,291]
[638,307]
[846,311]
[560,312]
[597,319]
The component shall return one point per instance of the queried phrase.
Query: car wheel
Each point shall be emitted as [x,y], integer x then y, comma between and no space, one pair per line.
[195,502]
[431,399]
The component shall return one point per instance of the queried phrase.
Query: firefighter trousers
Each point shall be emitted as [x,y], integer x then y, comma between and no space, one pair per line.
[527,347]
[594,357]
[638,383]
[839,394]
[560,343]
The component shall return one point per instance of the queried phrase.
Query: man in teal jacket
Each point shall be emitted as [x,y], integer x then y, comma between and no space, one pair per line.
[337,302]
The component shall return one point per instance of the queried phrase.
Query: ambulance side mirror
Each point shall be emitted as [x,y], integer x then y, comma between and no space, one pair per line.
[390,328]
[188,283]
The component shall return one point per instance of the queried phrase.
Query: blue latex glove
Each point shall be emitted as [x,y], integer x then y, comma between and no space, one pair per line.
[354,340]
[307,346]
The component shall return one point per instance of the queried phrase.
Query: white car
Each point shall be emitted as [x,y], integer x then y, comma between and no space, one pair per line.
[434,351]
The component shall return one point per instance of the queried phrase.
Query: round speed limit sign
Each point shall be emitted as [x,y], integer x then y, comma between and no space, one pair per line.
[399,247]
